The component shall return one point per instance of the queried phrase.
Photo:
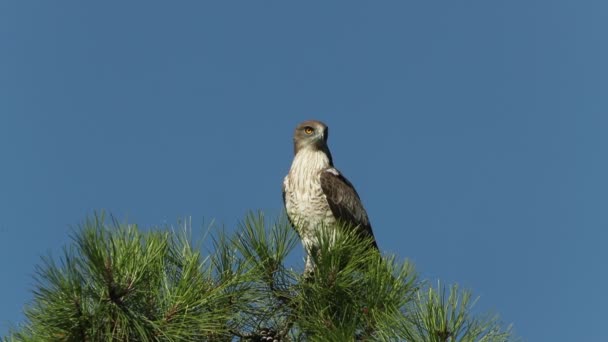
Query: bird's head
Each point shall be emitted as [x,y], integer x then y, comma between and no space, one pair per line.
[312,135]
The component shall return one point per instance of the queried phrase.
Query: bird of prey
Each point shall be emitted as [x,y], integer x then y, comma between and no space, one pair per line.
[315,193]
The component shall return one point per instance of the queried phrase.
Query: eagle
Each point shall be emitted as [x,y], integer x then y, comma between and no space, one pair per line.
[316,194]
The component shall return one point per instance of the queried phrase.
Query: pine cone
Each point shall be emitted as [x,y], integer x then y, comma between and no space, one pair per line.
[268,335]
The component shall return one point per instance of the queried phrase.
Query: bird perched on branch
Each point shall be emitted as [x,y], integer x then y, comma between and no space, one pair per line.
[316,194]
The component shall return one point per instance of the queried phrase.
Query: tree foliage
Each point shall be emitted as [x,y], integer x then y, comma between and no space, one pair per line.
[116,282]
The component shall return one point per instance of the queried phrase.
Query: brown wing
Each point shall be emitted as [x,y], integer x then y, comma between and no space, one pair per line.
[344,202]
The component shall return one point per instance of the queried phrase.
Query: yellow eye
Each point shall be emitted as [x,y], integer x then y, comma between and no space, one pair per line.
[308,130]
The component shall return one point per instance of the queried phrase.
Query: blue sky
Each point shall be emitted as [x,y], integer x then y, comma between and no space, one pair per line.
[474,131]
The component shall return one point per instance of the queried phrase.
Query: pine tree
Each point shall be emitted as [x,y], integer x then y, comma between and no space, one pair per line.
[117,282]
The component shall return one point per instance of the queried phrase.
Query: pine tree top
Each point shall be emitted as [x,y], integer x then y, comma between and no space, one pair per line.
[121,283]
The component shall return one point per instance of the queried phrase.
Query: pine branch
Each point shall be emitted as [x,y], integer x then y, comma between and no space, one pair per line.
[117,282]
[441,317]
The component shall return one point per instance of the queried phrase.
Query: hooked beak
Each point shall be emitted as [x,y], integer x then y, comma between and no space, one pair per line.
[323,134]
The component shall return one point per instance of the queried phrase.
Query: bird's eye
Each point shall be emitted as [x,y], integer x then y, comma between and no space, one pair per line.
[308,130]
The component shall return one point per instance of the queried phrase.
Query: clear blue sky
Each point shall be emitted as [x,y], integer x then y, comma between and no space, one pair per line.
[474,131]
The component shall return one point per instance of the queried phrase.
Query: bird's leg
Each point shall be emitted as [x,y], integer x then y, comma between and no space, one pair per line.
[310,267]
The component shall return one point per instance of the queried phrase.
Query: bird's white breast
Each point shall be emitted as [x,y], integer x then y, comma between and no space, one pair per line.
[305,201]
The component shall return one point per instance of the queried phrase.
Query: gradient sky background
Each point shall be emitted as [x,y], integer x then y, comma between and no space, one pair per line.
[474,131]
